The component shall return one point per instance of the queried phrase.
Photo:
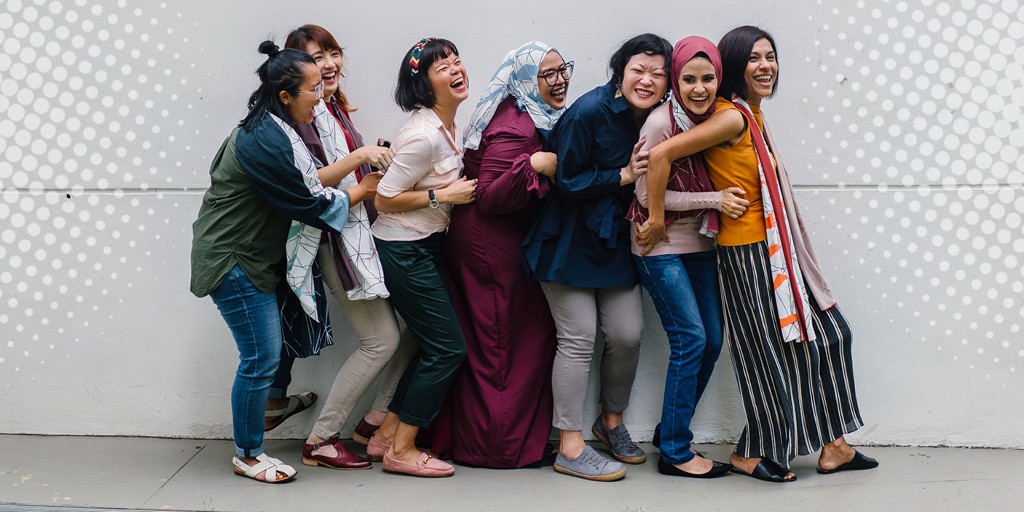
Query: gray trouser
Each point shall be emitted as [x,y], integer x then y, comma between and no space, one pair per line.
[375,326]
[577,313]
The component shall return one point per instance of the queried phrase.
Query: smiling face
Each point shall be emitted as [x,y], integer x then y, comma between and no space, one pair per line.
[644,82]
[329,62]
[762,71]
[300,106]
[553,95]
[448,81]
[698,85]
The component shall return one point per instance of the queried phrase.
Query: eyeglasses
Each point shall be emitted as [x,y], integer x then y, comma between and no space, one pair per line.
[551,77]
[318,90]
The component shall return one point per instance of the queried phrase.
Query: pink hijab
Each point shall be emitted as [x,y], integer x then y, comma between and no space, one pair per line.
[687,174]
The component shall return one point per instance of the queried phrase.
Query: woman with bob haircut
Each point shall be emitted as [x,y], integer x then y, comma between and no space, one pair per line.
[578,248]
[266,206]
[414,200]
[791,345]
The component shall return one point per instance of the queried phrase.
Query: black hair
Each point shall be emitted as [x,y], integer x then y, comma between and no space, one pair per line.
[648,44]
[735,48]
[282,71]
[413,90]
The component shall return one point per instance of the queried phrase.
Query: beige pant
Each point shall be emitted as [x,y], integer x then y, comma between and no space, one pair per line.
[375,326]
[577,313]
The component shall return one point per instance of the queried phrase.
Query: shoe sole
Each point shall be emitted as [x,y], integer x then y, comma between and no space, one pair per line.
[360,439]
[375,458]
[628,459]
[611,477]
[314,462]
[281,481]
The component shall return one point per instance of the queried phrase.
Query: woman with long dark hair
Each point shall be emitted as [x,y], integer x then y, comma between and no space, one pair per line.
[792,348]
[265,206]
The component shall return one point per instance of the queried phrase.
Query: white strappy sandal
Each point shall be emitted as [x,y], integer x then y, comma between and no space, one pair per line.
[267,465]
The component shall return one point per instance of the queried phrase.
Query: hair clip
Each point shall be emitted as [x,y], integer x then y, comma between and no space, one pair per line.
[417,51]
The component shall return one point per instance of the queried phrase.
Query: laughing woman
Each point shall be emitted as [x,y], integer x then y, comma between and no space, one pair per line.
[414,199]
[498,412]
[678,267]
[262,180]
[791,345]
[579,250]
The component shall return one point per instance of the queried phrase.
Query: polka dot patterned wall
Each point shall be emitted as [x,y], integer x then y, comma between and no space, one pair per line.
[86,102]
[922,102]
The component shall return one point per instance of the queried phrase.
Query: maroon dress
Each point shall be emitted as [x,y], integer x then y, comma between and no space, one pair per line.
[498,410]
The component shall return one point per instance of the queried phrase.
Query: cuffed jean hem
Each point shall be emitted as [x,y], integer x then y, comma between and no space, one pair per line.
[251,452]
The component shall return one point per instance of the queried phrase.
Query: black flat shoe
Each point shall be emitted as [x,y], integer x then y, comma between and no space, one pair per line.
[858,462]
[657,436]
[717,469]
[767,470]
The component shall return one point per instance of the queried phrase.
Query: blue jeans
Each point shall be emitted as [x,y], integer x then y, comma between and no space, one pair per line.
[684,288]
[255,323]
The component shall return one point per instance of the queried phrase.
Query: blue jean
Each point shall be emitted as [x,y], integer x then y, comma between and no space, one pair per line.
[255,323]
[684,289]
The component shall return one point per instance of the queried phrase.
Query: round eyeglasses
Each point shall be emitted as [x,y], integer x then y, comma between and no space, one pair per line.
[318,90]
[551,76]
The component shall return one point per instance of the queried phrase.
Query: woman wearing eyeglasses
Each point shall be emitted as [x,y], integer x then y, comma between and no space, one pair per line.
[498,411]
[266,206]
[350,270]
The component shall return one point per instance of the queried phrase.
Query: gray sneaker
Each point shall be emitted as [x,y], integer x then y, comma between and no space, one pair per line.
[591,466]
[617,440]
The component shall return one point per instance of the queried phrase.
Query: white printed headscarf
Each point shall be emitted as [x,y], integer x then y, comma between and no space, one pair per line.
[516,76]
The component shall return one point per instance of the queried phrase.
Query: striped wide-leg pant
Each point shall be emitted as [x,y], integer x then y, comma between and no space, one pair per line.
[797,396]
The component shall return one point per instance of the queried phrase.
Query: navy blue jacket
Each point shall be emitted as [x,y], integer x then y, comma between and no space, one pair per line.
[581,236]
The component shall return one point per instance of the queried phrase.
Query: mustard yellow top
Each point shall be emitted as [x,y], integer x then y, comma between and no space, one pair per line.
[736,166]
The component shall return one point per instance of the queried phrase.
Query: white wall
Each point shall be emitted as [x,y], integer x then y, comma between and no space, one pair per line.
[900,121]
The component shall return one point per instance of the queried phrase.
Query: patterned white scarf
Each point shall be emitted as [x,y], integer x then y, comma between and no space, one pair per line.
[791,302]
[304,240]
[516,76]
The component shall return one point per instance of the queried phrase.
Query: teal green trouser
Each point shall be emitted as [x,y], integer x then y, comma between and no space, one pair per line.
[414,276]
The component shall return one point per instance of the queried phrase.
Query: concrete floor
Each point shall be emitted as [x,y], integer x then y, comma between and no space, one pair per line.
[43,473]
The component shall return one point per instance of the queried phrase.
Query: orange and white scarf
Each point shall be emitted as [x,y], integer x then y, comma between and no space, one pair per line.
[791,301]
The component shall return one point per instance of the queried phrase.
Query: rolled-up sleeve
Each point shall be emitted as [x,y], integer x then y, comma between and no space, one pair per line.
[266,156]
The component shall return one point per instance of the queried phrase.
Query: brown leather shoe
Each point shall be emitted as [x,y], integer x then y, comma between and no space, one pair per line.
[345,459]
[364,431]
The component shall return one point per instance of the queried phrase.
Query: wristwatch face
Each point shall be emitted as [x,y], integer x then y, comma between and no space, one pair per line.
[432,200]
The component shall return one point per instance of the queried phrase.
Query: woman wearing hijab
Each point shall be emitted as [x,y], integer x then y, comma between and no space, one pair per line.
[498,411]
[678,271]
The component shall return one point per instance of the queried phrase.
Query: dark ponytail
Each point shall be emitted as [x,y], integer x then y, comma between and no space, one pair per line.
[282,71]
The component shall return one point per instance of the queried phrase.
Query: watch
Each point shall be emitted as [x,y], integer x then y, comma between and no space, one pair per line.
[432,200]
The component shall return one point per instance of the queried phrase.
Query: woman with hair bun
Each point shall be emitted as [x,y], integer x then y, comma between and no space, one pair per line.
[266,205]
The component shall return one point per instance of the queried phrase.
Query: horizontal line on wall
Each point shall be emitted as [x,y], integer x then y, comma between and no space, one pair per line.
[860,188]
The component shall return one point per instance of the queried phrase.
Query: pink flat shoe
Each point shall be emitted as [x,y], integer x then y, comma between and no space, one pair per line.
[427,466]
[375,449]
